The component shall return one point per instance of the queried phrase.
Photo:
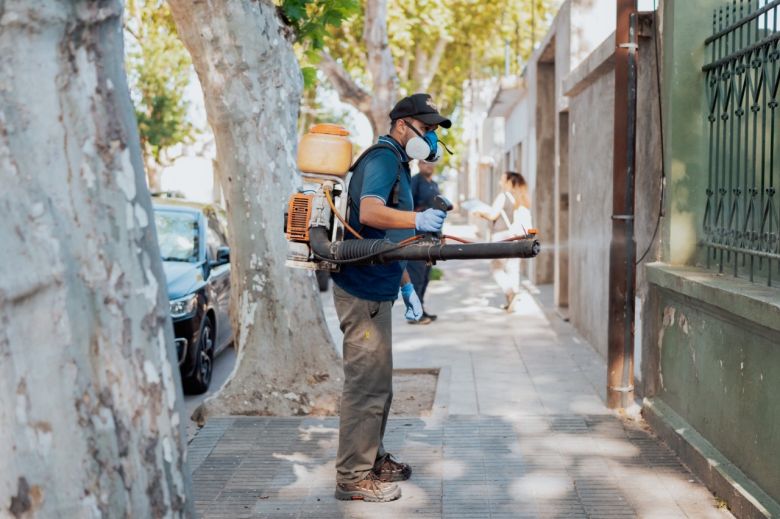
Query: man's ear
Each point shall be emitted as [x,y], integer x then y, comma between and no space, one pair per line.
[404,132]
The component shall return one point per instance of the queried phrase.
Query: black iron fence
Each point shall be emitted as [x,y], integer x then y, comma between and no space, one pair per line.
[742,215]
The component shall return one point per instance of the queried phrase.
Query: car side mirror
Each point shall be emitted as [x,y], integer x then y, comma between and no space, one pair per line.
[223,256]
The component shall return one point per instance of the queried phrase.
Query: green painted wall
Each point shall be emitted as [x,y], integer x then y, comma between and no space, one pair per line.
[686,24]
[713,343]
[722,374]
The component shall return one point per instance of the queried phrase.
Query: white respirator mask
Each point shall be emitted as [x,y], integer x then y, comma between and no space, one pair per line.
[423,147]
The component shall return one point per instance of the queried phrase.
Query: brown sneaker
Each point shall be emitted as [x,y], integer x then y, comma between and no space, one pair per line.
[387,469]
[369,489]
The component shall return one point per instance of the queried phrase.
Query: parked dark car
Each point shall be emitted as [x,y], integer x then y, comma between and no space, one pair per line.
[196,261]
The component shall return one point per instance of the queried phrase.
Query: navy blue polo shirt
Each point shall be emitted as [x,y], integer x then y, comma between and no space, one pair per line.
[378,172]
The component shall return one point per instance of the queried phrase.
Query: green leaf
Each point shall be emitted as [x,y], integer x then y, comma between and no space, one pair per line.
[309,76]
[294,9]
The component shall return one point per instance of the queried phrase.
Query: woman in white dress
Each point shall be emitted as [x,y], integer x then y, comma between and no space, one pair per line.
[511,216]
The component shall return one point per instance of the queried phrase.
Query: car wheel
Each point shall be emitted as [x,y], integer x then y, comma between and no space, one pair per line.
[199,381]
[323,276]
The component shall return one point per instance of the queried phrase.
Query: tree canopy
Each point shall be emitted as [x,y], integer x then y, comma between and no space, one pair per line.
[438,44]
[392,48]
[158,70]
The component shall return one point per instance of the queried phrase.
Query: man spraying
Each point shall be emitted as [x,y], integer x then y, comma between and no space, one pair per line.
[380,206]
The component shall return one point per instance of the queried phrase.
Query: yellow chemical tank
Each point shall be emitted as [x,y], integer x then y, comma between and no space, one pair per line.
[325,150]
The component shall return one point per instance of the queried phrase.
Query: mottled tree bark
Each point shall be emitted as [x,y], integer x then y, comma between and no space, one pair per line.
[88,396]
[252,86]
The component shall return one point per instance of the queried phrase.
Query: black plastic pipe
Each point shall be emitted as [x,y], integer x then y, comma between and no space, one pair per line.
[366,252]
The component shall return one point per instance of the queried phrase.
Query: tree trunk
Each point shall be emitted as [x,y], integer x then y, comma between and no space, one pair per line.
[153,170]
[348,91]
[379,62]
[89,425]
[252,86]
[426,66]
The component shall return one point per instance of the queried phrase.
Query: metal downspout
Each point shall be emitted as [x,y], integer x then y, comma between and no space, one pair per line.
[622,269]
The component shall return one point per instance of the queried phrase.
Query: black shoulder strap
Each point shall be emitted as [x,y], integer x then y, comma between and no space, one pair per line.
[374,147]
[394,192]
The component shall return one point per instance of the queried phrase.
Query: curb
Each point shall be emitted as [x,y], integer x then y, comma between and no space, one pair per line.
[441,400]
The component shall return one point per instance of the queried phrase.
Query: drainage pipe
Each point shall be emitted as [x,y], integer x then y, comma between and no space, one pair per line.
[622,257]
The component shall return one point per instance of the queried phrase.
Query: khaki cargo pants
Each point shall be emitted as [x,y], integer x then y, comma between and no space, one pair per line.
[368,383]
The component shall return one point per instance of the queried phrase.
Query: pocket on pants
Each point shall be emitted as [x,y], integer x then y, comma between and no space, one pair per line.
[373,308]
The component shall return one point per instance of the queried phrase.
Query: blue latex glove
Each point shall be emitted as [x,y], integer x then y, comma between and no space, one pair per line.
[429,220]
[414,309]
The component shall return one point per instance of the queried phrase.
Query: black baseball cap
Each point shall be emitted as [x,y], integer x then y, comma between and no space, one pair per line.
[420,107]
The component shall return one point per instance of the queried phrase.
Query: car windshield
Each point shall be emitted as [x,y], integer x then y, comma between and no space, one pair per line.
[177,234]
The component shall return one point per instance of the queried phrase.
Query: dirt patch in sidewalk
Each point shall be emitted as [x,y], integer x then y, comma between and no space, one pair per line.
[414,391]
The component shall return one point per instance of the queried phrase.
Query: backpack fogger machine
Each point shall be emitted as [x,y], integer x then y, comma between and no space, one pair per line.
[316,217]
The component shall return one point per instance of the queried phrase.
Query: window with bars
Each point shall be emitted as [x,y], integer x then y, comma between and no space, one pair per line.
[742,213]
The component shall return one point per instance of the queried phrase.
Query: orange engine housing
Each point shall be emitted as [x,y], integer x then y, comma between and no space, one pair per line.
[298,215]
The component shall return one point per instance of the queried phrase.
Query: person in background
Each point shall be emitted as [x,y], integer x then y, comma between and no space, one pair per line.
[424,189]
[511,216]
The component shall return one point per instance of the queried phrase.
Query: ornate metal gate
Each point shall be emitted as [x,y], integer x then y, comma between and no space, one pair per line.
[742,215]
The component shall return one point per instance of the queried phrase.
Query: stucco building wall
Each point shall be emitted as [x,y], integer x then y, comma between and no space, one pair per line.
[590,208]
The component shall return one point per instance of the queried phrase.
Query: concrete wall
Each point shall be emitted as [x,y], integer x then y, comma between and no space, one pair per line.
[648,184]
[477,97]
[590,207]
[590,89]
[494,139]
[543,197]
[517,128]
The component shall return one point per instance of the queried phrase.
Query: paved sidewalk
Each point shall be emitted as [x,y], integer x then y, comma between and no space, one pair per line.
[519,429]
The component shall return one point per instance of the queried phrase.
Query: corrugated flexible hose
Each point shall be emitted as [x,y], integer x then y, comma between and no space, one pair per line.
[368,252]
